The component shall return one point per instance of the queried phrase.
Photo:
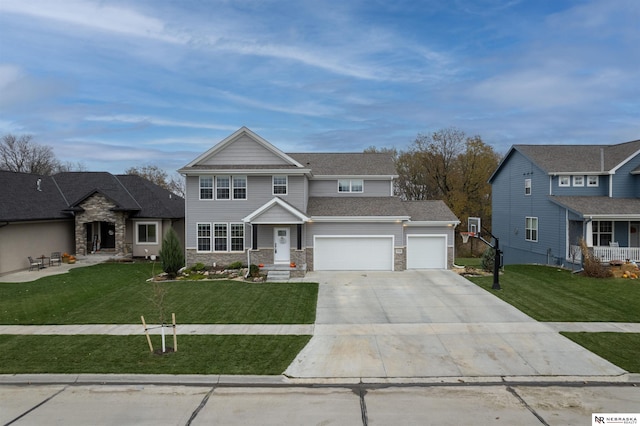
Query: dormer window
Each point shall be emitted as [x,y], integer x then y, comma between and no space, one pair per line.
[350,185]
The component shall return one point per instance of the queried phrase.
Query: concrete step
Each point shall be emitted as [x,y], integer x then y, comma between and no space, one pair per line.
[276,276]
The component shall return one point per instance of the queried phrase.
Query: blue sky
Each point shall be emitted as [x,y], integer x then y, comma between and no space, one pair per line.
[114,84]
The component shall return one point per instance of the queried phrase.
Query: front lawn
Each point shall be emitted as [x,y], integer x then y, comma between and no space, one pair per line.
[551,294]
[619,348]
[119,294]
[246,354]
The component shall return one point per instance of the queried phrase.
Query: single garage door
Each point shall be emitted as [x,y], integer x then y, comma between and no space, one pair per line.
[426,252]
[353,253]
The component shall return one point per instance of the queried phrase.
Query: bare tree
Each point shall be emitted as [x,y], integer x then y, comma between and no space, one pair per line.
[21,154]
[158,176]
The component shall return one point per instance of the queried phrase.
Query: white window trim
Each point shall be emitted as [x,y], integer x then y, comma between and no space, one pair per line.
[596,183]
[527,186]
[246,188]
[214,237]
[568,178]
[350,191]
[146,243]
[213,188]
[526,219]
[229,245]
[210,237]
[273,184]
[575,178]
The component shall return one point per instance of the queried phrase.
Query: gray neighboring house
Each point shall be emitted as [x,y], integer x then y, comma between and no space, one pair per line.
[547,197]
[248,201]
[83,212]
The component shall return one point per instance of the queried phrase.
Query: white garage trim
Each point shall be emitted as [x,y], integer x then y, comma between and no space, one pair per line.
[427,251]
[353,252]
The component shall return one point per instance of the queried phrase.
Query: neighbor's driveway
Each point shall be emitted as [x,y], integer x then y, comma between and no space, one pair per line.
[430,324]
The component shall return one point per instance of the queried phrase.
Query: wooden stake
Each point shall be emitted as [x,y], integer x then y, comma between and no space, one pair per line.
[175,337]
[144,324]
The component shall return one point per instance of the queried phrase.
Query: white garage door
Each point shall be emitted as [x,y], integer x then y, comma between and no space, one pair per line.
[353,253]
[426,252]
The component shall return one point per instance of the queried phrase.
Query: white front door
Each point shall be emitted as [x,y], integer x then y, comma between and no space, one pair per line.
[281,245]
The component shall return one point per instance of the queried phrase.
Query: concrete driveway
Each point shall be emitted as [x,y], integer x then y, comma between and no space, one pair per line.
[416,324]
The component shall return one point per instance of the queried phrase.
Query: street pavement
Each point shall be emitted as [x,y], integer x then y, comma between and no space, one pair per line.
[412,347]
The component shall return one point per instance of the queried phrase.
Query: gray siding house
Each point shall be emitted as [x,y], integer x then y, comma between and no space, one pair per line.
[81,213]
[547,197]
[248,201]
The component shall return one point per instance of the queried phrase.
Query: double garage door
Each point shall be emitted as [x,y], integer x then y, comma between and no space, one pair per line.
[376,253]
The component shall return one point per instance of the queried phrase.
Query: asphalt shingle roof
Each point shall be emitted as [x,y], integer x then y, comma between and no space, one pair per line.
[429,210]
[592,206]
[578,158]
[347,163]
[21,201]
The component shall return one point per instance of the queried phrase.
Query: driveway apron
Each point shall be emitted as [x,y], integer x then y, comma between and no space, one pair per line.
[430,324]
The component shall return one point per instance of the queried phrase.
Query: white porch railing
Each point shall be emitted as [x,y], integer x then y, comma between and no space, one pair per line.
[607,254]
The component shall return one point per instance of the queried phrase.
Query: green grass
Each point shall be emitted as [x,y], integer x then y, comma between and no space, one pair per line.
[246,354]
[551,294]
[468,261]
[119,294]
[618,348]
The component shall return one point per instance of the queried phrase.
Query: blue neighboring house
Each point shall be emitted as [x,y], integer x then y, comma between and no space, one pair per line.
[547,197]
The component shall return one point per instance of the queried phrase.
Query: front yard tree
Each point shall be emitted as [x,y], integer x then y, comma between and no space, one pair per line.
[171,255]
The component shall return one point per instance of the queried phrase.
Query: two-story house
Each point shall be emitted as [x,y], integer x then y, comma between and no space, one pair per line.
[547,197]
[248,201]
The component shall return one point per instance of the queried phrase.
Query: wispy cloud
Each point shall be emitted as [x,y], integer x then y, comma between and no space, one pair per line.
[157,121]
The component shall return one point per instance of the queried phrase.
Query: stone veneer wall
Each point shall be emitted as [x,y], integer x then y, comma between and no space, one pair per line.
[399,259]
[98,209]
[261,256]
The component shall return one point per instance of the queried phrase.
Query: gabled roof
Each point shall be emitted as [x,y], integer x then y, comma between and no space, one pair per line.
[600,207]
[572,159]
[20,199]
[62,194]
[78,186]
[347,163]
[276,202]
[226,142]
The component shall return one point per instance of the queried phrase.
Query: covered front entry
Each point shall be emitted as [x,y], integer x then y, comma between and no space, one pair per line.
[426,252]
[100,235]
[281,245]
[353,253]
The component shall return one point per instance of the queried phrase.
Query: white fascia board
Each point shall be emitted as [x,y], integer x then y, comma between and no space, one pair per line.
[433,223]
[356,219]
[270,204]
[612,216]
[598,173]
[244,172]
[366,177]
[625,161]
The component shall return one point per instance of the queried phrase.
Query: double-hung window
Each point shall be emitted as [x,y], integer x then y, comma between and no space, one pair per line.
[280,185]
[220,237]
[237,236]
[578,181]
[206,187]
[147,233]
[223,184]
[531,229]
[350,185]
[239,187]
[527,187]
[204,237]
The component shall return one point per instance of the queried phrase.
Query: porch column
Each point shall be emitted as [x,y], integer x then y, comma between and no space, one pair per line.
[589,233]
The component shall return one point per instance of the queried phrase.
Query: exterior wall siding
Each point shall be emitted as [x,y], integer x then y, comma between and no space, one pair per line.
[244,151]
[511,206]
[329,188]
[342,228]
[602,190]
[19,240]
[626,185]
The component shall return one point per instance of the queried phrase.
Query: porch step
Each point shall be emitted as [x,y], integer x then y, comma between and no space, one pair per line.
[278,276]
